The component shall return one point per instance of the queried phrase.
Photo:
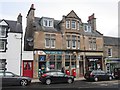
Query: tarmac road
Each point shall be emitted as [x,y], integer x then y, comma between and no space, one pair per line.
[114,84]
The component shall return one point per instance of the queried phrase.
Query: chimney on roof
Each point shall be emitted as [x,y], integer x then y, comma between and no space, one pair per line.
[32,6]
[19,18]
[92,21]
[31,10]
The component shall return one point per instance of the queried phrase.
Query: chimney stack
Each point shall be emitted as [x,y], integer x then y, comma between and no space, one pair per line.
[19,18]
[92,21]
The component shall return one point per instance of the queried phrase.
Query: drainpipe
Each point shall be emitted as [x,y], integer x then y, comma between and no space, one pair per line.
[21,56]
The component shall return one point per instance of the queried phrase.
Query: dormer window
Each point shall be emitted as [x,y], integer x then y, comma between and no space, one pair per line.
[87,28]
[2,31]
[47,22]
[73,24]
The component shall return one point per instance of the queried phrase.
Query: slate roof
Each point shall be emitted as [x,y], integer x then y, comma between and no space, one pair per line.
[56,27]
[111,40]
[93,33]
[14,26]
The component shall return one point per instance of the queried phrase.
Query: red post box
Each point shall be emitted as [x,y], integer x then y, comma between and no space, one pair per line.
[67,72]
[74,72]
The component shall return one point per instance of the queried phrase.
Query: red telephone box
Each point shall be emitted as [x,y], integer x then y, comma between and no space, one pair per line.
[67,72]
[74,72]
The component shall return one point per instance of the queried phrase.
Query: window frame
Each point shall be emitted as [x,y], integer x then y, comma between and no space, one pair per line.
[67,24]
[73,24]
[68,41]
[4,41]
[3,29]
[47,38]
[109,52]
[74,42]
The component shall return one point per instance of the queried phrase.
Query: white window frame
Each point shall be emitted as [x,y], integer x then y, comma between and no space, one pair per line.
[52,43]
[89,28]
[67,24]
[2,29]
[50,23]
[47,23]
[73,23]
[47,38]
[73,42]
[3,46]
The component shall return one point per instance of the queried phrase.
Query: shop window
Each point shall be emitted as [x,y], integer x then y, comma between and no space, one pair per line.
[59,57]
[67,57]
[59,65]
[52,57]
[73,57]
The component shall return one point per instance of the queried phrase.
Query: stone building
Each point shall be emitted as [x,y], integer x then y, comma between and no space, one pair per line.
[68,43]
[111,53]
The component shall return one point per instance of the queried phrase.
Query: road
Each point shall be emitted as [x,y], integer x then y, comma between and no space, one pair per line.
[77,84]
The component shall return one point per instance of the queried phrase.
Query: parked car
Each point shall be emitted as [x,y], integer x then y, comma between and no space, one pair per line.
[96,75]
[55,77]
[116,73]
[9,78]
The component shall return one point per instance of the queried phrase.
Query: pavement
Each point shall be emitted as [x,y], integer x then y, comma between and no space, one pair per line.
[37,80]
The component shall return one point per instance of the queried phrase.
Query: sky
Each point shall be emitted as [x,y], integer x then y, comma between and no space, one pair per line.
[106,11]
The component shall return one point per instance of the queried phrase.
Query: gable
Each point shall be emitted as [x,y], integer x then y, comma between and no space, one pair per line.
[72,14]
[3,23]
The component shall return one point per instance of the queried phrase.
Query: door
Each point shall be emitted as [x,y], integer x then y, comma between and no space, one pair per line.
[28,69]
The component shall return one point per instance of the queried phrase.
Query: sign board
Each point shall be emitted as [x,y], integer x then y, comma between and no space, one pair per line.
[42,57]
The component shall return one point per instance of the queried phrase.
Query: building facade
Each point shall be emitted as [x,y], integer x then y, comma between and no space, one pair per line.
[11,45]
[111,53]
[68,43]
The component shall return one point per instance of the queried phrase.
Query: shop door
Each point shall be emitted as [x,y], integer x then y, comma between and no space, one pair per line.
[28,69]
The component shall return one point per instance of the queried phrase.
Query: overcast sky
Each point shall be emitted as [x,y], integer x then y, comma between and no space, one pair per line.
[106,11]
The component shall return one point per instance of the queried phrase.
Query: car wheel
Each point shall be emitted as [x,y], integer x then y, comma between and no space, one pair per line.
[23,82]
[110,78]
[48,81]
[70,80]
[96,79]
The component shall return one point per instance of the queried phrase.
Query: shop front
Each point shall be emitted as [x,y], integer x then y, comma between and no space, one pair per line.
[56,60]
[112,63]
[51,60]
[93,63]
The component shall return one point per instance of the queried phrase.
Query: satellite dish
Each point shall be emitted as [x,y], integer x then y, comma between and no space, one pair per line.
[29,39]
[30,43]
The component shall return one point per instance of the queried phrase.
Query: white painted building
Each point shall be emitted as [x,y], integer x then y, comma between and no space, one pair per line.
[11,44]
